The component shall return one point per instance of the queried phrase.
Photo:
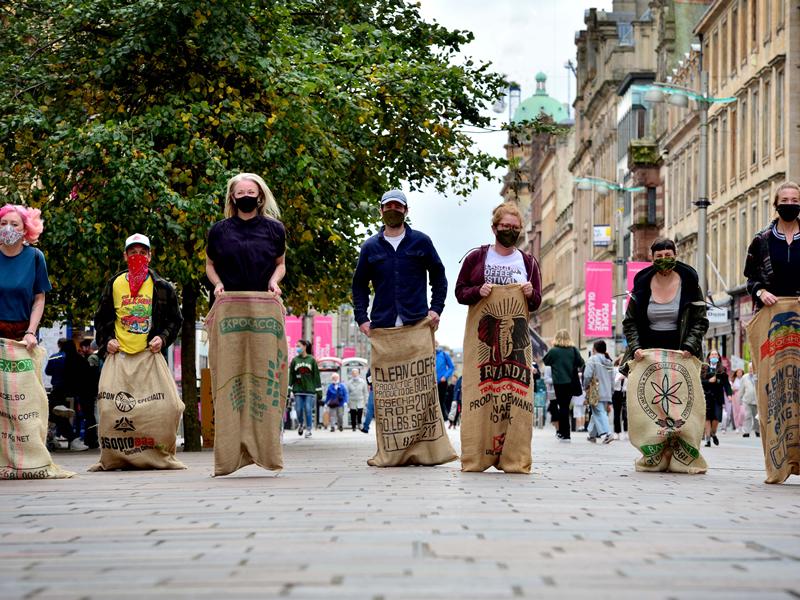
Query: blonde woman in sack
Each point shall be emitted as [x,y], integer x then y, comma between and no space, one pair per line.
[599,372]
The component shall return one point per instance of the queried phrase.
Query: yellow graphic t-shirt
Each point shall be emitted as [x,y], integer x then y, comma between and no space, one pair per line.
[134,314]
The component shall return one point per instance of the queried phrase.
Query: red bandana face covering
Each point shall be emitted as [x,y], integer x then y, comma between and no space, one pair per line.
[137,272]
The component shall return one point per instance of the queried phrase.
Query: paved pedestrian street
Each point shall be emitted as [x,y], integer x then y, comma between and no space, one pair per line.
[583,524]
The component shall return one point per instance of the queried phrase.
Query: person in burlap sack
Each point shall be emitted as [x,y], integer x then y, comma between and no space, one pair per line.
[501,285]
[138,319]
[397,262]
[248,353]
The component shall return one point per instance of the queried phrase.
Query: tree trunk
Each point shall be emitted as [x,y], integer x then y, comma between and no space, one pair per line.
[191,420]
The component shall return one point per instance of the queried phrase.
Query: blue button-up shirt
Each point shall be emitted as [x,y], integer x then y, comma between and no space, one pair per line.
[399,279]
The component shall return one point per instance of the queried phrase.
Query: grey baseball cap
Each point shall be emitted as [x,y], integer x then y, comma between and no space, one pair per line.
[396,195]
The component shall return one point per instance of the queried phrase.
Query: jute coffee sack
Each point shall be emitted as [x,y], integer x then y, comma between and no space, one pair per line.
[774,336]
[247,355]
[139,413]
[497,386]
[409,422]
[24,415]
[666,412]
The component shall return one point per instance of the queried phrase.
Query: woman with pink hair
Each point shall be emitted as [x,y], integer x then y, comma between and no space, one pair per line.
[23,274]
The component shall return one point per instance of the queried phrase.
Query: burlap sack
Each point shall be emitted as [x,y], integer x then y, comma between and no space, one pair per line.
[497,385]
[24,415]
[139,413]
[666,412]
[247,354]
[409,422]
[774,336]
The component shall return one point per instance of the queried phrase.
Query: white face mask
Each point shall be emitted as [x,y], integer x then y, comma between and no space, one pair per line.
[10,236]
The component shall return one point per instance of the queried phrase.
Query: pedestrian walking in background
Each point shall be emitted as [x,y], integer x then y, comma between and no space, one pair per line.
[23,274]
[772,267]
[88,391]
[68,375]
[336,399]
[619,400]
[579,412]
[455,406]
[358,394]
[305,386]
[732,404]
[666,308]
[749,401]
[565,361]
[444,371]
[598,384]
[369,412]
[715,386]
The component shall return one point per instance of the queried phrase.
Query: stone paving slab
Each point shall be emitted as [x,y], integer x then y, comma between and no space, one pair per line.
[584,524]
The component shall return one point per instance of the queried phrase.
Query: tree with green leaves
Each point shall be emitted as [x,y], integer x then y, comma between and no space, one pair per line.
[121,116]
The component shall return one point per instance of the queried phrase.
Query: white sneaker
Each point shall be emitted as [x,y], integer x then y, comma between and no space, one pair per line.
[63,411]
[77,445]
[607,438]
[616,436]
[308,433]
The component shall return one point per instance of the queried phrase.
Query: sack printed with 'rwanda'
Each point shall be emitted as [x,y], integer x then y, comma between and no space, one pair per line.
[139,413]
[774,336]
[666,412]
[247,355]
[497,385]
[23,415]
[409,422]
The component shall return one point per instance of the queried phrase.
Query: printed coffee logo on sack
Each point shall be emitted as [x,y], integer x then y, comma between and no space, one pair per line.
[16,366]
[504,354]
[251,325]
[124,424]
[666,394]
[784,335]
[124,402]
[129,445]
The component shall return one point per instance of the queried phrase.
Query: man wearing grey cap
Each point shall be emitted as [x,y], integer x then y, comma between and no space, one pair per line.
[397,261]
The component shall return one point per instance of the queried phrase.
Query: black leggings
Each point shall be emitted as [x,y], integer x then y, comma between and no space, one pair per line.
[563,399]
[620,411]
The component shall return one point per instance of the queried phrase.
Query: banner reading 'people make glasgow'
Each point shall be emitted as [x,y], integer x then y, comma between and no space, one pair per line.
[599,301]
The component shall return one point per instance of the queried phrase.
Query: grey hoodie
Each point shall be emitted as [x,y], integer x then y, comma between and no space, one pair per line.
[601,367]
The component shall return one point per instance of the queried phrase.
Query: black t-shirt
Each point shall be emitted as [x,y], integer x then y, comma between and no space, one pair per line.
[244,252]
[785,264]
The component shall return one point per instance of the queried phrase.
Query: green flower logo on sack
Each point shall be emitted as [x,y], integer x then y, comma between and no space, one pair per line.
[251,325]
[16,366]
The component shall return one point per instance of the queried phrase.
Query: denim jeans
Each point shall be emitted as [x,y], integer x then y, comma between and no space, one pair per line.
[370,411]
[304,406]
[599,423]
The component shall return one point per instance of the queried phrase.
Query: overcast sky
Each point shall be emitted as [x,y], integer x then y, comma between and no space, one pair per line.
[519,38]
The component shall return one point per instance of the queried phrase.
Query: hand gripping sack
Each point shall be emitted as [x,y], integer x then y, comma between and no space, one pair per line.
[247,354]
[139,413]
[666,412]
[774,336]
[409,423]
[24,415]
[497,385]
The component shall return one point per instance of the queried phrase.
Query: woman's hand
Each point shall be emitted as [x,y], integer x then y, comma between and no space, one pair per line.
[686,354]
[218,290]
[527,289]
[485,290]
[274,287]
[30,341]
[638,355]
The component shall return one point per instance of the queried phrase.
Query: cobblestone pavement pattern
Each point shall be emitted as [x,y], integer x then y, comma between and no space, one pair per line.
[584,524]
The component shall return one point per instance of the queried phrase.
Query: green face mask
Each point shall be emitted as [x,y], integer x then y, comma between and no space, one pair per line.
[663,265]
[507,237]
[393,218]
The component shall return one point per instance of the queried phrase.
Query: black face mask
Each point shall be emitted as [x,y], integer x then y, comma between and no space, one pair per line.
[789,212]
[246,204]
[507,237]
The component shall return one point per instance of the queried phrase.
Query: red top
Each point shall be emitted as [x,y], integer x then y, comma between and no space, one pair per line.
[470,278]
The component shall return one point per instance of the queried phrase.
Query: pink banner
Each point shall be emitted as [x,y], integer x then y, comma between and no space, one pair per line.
[323,336]
[633,269]
[599,287]
[294,332]
[348,352]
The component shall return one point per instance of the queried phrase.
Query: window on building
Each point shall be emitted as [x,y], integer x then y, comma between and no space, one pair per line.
[755,224]
[768,19]
[682,180]
[754,126]
[733,38]
[733,137]
[723,53]
[712,161]
[779,94]
[722,263]
[731,245]
[692,177]
[696,165]
[723,151]
[713,60]
[625,33]
[780,17]
[743,33]
[651,206]
[766,211]
[743,238]
[766,120]
[742,132]
[713,252]
[753,25]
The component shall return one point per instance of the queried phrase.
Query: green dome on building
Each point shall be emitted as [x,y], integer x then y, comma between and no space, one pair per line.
[540,103]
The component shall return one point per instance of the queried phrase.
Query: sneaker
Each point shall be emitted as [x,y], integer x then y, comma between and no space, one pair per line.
[708,443]
[716,439]
[615,436]
[340,428]
[77,445]
[63,411]
[565,440]
[333,429]
[608,438]
[60,438]
[300,430]
[362,430]
[745,435]
[308,433]
[591,439]
[758,434]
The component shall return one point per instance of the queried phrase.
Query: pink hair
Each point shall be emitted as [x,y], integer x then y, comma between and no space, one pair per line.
[31,220]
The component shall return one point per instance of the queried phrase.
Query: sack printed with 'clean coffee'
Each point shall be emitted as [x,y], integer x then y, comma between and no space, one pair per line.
[24,415]
[774,336]
[497,385]
[409,422]
[666,412]
[247,355]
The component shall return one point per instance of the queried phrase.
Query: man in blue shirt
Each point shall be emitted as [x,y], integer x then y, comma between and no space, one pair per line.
[397,261]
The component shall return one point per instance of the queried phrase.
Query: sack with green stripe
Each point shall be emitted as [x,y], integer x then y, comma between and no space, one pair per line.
[24,415]
[666,412]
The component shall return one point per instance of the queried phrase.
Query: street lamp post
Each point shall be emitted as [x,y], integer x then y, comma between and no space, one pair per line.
[603,186]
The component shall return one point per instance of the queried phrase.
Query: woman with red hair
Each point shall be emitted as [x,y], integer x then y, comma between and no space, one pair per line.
[23,274]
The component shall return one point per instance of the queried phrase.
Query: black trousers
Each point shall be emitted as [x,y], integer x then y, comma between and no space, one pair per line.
[563,398]
[355,417]
[442,387]
[89,422]
[620,411]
